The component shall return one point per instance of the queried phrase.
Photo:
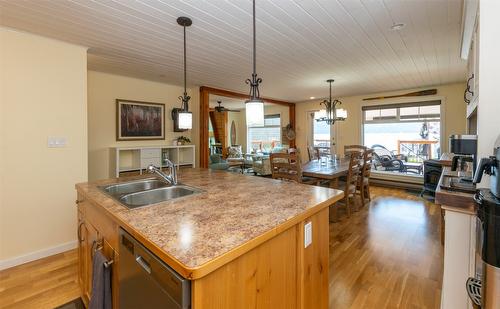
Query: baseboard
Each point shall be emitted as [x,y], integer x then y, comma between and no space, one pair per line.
[33,256]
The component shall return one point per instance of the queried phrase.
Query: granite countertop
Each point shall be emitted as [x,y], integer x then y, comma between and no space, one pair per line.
[234,210]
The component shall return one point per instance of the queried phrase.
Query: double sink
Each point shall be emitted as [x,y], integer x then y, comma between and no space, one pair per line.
[139,193]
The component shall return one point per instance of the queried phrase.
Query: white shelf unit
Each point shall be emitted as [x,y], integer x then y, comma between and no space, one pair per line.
[130,159]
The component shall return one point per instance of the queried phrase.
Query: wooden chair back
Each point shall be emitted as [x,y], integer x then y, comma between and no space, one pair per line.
[354,172]
[348,149]
[312,152]
[367,163]
[286,166]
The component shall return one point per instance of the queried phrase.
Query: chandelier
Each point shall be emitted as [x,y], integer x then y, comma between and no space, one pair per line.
[331,113]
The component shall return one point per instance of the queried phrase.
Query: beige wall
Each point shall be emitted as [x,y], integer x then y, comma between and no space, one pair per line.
[349,131]
[488,109]
[103,90]
[43,93]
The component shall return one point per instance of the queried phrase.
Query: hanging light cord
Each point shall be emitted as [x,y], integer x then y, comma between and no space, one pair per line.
[185,98]
[254,82]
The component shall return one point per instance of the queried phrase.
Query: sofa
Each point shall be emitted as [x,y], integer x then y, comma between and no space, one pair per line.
[261,163]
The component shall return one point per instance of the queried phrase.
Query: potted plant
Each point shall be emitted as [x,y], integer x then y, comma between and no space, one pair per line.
[182,140]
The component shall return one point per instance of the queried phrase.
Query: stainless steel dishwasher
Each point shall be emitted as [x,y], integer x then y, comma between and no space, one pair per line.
[147,282]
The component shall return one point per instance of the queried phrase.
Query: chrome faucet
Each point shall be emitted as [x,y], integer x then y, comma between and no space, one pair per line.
[170,178]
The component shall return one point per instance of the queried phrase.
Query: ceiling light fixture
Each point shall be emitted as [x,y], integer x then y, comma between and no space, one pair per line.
[254,105]
[397,26]
[183,118]
[331,114]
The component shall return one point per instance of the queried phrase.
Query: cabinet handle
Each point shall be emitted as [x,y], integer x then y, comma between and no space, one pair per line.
[79,231]
[144,264]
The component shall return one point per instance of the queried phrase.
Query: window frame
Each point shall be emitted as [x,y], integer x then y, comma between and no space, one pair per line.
[249,142]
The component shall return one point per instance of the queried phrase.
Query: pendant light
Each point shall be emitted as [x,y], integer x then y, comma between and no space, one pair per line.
[331,113]
[254,107]
[183,118]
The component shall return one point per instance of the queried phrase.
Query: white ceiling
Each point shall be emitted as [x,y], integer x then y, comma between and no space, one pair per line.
[231,103]
[300,43]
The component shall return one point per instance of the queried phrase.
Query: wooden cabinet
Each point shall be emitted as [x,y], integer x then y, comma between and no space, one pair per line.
[472,92]
[280,273]
[91,238]
[459,259]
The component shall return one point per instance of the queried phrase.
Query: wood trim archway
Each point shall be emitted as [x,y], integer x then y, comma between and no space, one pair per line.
[205,93]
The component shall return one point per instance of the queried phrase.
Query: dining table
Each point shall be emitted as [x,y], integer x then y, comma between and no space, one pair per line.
[329,169]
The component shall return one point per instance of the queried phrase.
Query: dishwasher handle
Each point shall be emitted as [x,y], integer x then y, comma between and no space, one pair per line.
[144,264]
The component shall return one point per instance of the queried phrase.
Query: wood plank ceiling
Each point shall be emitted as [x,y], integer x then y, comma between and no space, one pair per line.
[300,43]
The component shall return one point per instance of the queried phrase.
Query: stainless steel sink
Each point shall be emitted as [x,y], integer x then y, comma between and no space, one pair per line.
[120,189]
[143,198]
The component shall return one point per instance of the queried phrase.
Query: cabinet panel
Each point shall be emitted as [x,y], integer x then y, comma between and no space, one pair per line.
[150,153]
[107,228]
[265,277]
[313,266]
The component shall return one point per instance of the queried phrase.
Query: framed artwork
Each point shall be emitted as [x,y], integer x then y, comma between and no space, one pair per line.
[136,120]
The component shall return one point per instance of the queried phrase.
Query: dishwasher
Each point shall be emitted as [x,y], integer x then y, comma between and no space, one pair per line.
[147,282]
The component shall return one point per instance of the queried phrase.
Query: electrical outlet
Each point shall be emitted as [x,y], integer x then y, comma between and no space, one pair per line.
[307,234]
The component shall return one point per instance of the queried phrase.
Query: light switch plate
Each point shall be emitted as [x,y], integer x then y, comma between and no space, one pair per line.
[56,142]
[307,234]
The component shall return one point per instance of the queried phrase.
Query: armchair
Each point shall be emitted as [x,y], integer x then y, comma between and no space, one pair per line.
[217,163]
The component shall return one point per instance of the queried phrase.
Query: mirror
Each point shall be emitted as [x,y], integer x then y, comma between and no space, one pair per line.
[227,127]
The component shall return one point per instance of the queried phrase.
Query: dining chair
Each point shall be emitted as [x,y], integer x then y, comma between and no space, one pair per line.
[288,166]
[364,179]
[348,149]
[312,152]
[351,183]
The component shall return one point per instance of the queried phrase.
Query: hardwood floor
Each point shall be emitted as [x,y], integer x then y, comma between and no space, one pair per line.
[387,255]
[45,283]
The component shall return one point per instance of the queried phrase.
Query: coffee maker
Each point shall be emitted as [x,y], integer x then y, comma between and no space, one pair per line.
[464,147]
[488,235]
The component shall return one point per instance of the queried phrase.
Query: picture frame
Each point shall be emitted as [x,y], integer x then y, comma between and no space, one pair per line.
[138,120]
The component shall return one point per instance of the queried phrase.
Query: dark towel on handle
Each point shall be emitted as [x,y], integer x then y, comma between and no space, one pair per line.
[101,283]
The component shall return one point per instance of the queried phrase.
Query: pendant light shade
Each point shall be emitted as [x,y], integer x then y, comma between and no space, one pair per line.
[183,118]
[254,113]
[255,105]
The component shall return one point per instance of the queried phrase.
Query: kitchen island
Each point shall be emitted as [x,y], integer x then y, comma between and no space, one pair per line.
[240,241]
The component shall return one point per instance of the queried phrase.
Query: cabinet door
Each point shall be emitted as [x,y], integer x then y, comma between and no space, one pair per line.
[82,264]
[89,243]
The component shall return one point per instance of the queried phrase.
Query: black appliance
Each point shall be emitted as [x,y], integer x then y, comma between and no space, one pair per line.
[490,166]
[432,173]
[485,288]
[463,144]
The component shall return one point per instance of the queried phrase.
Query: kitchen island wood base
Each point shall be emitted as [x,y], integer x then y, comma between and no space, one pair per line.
[280,273]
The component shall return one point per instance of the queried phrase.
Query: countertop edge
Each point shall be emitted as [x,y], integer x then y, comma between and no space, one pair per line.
[221,260]
[454,201]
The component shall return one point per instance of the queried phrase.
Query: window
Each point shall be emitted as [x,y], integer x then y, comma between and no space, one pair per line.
[408,132]
[320,131]
[267,137]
